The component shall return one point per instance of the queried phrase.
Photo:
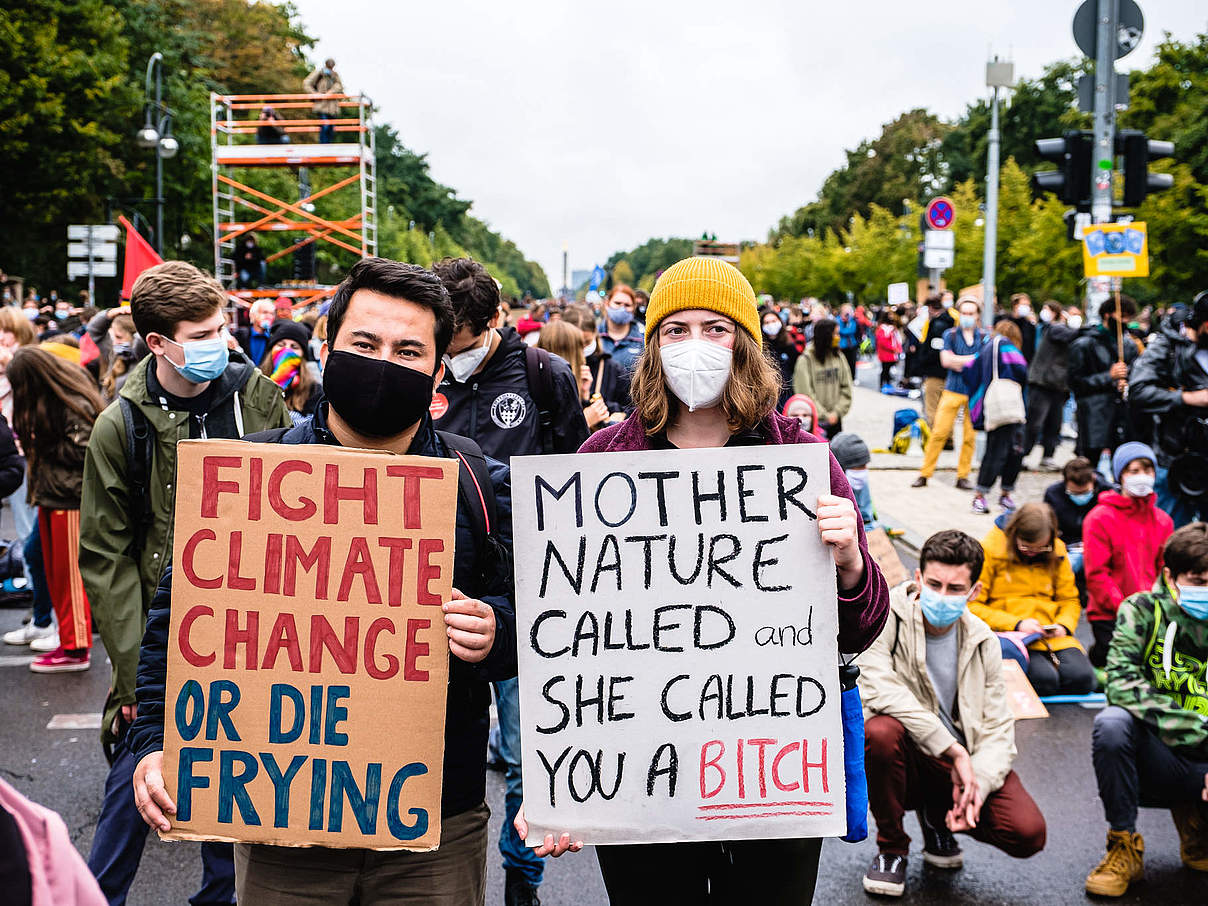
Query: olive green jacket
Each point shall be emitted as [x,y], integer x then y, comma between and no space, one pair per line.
[119,588]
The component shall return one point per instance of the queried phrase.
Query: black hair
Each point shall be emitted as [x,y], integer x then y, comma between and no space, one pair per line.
[1128,308]
[955,549]
[473,292]
[400,281]
[824,339]
[1186,550]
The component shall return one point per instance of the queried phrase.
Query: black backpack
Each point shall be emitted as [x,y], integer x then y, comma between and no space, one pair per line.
[476,494]
[138,474]
[540,374]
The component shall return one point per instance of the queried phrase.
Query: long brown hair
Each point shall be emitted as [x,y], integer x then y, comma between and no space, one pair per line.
[1009,330]
[119,364]
[1031,524]
[47,392]
[565,340]
[751,392]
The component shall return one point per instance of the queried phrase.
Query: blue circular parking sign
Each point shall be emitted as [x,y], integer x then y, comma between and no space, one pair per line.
[940,213]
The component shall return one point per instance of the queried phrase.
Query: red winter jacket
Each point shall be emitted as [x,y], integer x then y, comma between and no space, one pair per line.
[1122,550]
[888,344]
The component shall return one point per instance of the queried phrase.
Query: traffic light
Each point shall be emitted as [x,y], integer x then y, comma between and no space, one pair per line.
[1137,151]
[1071,181]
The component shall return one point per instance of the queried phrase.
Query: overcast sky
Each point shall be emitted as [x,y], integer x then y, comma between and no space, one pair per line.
[603,124]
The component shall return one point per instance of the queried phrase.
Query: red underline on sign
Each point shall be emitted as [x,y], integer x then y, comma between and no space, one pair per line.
[730,805]
[721,817]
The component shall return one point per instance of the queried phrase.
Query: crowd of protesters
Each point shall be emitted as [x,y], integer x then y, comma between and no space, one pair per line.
[428,362]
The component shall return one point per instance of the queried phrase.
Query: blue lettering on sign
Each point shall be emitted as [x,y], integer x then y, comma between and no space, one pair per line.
[188,726]
[281,782]
[186,782]
[232,787]
[364,807]
[393,819]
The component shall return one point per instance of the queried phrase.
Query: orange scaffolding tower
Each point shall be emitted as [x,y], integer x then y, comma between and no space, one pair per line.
[233,199]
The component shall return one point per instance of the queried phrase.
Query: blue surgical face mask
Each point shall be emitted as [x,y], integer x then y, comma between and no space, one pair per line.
[857,478]
[941,611]
[968,322]
[205,360]
[1194,600]
[620,316]
[1081,499]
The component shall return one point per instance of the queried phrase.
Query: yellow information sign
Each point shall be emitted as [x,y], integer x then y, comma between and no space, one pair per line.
[1115,250]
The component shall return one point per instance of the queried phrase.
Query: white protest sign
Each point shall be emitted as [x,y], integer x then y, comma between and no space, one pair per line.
[899,293]
[676,629]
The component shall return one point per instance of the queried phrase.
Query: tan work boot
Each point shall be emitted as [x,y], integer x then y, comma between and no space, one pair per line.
[1190,819]
[1120,867]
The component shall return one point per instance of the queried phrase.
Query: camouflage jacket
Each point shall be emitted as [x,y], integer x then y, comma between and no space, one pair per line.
[1156,669]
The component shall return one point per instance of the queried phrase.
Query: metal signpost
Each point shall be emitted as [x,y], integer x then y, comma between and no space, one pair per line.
[96,245]
[998,75]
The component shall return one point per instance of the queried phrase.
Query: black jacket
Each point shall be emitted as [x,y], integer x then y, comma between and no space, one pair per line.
[469,697]
[12,463]
[1101,411]
[1069,514]
[927,354]
[610,382]
[1156,385]
[496,408]
[1049,368]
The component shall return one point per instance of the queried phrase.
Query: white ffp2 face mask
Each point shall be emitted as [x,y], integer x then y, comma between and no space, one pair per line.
[696,371]
[466,363]
[1138,485]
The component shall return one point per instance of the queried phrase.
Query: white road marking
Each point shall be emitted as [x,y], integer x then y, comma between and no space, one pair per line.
[16,660]
[75,722]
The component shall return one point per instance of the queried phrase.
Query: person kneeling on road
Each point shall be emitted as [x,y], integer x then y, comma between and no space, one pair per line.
[939,733]
[387,329]
[1150,745]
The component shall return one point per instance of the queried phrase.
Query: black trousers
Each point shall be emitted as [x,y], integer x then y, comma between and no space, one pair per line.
[851,353]
[1002,458]
[886,373]
[1045,408]
[734,873]
[1135,768]
[1103,630]
[1071,675]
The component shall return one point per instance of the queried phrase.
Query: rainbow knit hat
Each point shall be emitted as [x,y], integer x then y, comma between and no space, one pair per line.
[708,283]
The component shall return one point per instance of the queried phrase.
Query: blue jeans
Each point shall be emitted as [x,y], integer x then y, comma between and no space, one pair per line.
[36,572]
[327,132]
[25,515]
[121,834]
[1181,509]
[515,854]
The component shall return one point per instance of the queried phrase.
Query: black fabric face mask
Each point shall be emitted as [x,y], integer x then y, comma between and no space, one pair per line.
[375,397]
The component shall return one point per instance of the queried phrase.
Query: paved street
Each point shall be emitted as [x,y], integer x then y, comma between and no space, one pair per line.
[64,768]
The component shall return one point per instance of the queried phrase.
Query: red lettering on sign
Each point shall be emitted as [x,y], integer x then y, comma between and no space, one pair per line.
[415,650]
[284,635]
[380,625]
[212,486]
[714,763]
[787,788]
[234,580]
[306,507]
[255,480]
[334,492]
[187,651]
[412,476]
[248,636]
[428,570]
[186,560]
[359,563]
[394,576]
[323,636]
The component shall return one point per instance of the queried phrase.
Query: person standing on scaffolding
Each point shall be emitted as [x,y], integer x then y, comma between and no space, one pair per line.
[325,80]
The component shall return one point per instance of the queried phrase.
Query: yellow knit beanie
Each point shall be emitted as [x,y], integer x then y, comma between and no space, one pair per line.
[708,283]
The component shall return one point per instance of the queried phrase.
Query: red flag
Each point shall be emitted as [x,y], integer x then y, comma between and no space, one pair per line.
[139,257]
[88,349]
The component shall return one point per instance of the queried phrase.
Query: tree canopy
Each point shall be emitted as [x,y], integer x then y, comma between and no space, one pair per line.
[71,98]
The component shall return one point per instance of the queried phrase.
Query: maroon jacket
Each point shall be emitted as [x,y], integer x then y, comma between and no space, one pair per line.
[862,611]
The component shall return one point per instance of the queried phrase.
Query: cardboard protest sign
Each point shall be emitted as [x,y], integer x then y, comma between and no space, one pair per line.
[1025,704]
[881,549]
[307,653]
[676,626]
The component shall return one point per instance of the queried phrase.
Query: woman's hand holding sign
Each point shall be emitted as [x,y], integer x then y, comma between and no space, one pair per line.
[549,846]
[838,528]
[471,627]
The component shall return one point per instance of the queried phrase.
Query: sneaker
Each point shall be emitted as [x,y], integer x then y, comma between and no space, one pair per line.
[964,484]
[15,592]
[1123,864]
[29,633]
[940,848]
[979,505]
[46,643]
[1007,502]
[60,661]
[517,890]
[920,482]
[1048,464]
[1191,819]
[886,875]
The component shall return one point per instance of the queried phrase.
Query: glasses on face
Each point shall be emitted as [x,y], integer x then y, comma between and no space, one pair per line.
[1033,551]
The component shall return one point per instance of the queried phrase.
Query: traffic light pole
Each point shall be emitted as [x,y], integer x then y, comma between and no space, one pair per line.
[1105,111]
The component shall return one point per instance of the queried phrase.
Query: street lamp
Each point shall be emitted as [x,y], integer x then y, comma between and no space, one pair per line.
[156,135]
[998,76]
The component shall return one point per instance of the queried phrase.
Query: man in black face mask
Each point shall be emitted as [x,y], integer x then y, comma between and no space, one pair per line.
[1170,384]
[387,328]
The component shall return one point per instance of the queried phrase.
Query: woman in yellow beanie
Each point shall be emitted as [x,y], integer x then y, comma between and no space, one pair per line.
[705,381]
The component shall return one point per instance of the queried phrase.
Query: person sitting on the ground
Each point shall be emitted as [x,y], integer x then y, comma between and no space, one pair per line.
[1071,499]
[939,733]
[1123,538]
[853,456]
[1028,587]
[1150,745]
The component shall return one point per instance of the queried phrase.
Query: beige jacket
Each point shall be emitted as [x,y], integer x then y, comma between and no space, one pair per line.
[319,82]
[894,681]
